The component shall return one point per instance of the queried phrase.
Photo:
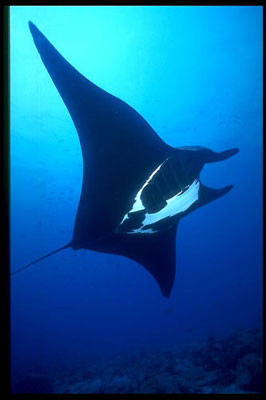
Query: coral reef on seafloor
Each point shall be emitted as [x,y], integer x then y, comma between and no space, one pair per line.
[219,365]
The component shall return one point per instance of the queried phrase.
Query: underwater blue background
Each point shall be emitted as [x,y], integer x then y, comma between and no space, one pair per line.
[195,74]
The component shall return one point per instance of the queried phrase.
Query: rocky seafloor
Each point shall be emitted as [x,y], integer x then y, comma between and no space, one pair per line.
[219,365]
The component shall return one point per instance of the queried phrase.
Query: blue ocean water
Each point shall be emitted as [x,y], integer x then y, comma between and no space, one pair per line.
[195,74]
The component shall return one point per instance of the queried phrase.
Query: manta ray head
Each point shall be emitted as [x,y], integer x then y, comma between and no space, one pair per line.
[172,190]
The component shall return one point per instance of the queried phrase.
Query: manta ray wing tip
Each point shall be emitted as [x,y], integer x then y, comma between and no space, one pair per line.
[33,28]
[36,34]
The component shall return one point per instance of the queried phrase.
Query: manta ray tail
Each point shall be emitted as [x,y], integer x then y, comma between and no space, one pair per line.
[41,258]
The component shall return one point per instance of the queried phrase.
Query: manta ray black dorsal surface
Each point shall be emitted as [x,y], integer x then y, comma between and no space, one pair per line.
[135,187]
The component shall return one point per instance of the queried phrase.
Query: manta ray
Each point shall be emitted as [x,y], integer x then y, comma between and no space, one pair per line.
[135,187]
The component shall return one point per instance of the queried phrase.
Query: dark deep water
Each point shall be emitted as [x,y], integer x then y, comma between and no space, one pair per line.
[89,322]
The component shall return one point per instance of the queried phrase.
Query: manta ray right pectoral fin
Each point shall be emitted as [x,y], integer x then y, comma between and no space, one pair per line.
[156,252]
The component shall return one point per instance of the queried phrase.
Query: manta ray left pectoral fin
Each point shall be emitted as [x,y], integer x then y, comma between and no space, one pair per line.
[118,145]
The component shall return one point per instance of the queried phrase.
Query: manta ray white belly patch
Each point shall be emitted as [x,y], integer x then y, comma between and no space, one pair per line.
[178,203]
